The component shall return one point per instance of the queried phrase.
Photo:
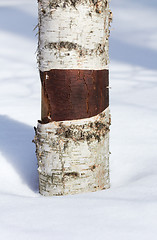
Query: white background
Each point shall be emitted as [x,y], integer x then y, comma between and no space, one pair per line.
[129,209]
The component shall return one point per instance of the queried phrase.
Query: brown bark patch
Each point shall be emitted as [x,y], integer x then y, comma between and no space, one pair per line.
[73,94]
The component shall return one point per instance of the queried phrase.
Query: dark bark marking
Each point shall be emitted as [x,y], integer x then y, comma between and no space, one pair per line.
[79,133]
[98,6]
[71,174]
[96,130]
[100,49]
[87,102]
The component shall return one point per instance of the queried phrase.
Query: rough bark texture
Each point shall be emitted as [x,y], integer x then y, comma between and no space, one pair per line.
[72,138]
[73,156]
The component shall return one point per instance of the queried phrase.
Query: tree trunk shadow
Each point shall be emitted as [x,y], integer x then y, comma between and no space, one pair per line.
[17,21]
[135,55]
[17,147]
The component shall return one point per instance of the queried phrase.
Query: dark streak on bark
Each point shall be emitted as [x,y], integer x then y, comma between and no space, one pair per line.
[100,49]
[87,103]
[73,94]
[99,6]
[71,174]
[96,130]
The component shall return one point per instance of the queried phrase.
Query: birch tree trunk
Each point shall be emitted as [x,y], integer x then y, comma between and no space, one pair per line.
[72,138]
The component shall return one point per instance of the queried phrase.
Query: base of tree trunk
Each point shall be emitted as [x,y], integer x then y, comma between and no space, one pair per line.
[73,156]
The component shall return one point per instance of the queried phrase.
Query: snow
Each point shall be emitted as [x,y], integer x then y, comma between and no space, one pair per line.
[128,210]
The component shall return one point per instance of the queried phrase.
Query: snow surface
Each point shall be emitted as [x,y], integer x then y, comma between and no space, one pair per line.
[128,210]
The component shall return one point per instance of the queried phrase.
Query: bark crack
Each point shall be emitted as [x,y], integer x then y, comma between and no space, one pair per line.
[87,98]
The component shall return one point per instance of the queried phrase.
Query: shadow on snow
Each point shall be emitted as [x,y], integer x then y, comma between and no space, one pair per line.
[17,21]
[134,55]
[17,147]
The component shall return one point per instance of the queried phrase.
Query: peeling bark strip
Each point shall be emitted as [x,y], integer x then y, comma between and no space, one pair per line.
[73,94]
[73,34]
[73,156]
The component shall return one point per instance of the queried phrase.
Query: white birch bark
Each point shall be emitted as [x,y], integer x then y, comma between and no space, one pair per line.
[73,34]
[73,156]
